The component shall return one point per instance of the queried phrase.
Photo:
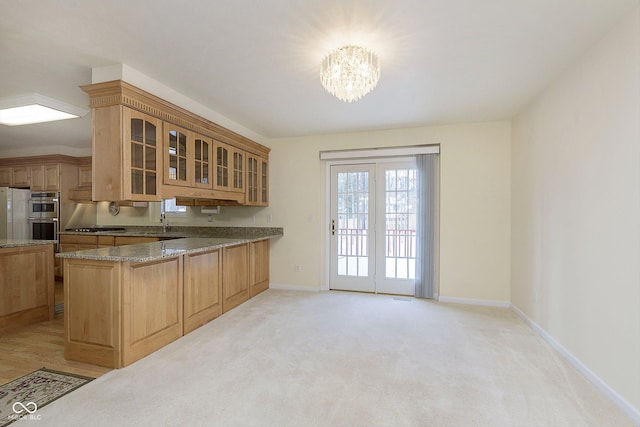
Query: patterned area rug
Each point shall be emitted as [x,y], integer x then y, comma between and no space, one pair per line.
[21,398]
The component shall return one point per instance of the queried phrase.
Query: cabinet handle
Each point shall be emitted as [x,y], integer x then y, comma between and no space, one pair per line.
[333,227]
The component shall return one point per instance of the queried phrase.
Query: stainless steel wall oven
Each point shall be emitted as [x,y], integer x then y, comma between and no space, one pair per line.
[44,216]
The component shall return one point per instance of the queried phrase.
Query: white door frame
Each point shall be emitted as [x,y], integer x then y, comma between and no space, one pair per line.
[327,213]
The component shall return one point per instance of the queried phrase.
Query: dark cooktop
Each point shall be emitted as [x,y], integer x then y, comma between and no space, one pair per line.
[94,229]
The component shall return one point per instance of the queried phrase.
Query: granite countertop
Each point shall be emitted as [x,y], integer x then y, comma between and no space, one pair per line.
[145,252]
[182,232]
[17,243]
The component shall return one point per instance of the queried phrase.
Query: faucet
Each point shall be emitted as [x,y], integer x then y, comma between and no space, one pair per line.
[165,223]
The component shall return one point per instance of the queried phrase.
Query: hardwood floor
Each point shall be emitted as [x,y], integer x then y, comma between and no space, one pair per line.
[25,349]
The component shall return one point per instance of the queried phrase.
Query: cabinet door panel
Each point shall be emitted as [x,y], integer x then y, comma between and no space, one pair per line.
[21,176]
[177,157]
[5,177]
[142,135]
[259,267]
[235,276]
[202,289]
[51,177]
[203,153]
[264,182]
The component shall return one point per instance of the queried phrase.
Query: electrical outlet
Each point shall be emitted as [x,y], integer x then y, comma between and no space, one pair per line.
[296,268]
[269,217]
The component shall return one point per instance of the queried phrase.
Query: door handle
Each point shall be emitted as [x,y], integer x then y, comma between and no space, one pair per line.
[333,227]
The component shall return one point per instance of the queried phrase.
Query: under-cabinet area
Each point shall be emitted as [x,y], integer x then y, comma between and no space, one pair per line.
[122,303]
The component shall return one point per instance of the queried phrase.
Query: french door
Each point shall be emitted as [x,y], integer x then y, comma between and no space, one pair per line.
[373,227]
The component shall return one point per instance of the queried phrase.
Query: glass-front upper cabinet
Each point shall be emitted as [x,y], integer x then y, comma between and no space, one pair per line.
[257,181]
[176,155]
[252,179]
[264,182]
[142,155]
[230,168]
[238,170]
[202,153]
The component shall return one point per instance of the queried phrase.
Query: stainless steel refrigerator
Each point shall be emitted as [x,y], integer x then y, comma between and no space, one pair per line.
[14,205]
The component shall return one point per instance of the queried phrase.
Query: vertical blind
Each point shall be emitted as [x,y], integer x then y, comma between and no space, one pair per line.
[426,225]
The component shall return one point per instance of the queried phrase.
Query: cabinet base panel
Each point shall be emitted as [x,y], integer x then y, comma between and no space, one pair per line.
[26,317]
[93,354]
[259,287]
[198,319]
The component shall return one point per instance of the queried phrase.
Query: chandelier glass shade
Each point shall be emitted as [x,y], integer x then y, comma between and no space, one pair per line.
[350,72]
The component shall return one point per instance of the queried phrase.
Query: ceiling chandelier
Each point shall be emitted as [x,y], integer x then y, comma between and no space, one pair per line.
[350,72]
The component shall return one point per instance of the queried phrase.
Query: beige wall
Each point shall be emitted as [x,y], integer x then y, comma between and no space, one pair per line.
[475,203]
[576,210]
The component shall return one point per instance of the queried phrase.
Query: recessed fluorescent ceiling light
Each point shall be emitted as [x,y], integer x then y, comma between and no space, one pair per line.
[35,108]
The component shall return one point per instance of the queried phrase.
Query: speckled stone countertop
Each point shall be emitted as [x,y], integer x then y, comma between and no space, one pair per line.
[145,252]
[17,243]
[181,232]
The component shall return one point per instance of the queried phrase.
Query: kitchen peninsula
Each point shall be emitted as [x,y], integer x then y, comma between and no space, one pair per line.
[124,302]
[26,282]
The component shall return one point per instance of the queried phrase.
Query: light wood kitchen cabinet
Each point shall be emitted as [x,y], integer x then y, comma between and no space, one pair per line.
[192,157]
[235,276]
[77,242]
[127,155]
[82,242]
[5,176]
[133,240]
[84,176]
[74,243]
[257,181]
[118,312]
[26,291]
[177,156]
[202,288]
[264,182]
[188,168]
[106,241]
[230,168]
[258,267]
[21,176]
[202,162]
[45,178]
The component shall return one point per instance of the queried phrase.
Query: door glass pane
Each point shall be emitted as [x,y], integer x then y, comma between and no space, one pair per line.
[400,223]
[182,168]
[151,183]
[137,182]
[198,149]
[352,229]
[150,158]
[173,168]
[137,159]
[182,145]
[150,134]
[198,172]
[136,130]
[173,142]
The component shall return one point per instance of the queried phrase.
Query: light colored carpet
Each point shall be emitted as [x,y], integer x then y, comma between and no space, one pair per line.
[290,358]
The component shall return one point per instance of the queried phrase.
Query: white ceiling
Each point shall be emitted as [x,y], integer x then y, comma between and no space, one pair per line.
[257,62]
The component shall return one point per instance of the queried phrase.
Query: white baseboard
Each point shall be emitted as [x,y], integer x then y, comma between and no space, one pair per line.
[626,407]
[293,287]
[473,301]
